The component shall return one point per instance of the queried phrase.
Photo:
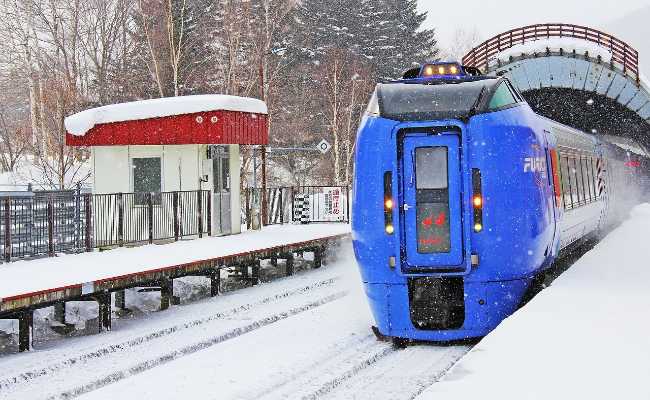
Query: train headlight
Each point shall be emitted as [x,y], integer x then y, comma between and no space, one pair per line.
[477,201]
[390,229]
[388,204]
[478,227]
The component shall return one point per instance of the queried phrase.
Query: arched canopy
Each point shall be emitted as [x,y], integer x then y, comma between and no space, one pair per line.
[576,75]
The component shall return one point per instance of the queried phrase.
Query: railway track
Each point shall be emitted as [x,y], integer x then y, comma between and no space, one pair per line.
[132,354]
[303,337]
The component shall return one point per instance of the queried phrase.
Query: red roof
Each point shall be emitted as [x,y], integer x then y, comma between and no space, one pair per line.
[211,127]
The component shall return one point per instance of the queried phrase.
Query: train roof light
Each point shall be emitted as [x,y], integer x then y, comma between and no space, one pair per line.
[442,70]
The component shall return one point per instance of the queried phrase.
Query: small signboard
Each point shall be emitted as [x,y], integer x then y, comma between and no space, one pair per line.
[323,146]
[334,204]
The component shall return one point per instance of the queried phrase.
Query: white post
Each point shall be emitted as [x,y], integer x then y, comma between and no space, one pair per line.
[235,192]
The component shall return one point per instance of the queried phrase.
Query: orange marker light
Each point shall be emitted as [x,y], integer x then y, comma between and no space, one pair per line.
[477,201]
[389,204]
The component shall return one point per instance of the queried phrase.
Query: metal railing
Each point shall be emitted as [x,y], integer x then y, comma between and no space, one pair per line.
[131,218]
[622,53]
[298,204]
[42,223]
[39,224]
[36,224]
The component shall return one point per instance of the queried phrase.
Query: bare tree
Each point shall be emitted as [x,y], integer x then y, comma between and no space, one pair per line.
[105,40]
[346,82]
[463,41]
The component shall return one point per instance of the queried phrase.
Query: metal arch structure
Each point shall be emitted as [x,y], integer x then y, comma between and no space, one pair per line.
[597,94]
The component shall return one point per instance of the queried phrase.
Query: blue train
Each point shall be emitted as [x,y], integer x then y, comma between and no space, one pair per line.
[463,195]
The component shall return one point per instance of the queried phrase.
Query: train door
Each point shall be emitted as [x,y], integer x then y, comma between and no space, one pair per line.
[431,212]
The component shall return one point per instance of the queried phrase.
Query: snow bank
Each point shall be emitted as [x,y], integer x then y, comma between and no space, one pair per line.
[585,337]
[80,123]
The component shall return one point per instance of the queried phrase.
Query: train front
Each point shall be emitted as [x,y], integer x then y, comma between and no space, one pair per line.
[453,210]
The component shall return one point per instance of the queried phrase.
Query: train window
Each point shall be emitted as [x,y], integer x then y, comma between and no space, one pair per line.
[431,168]
[575,200]
[580,179]
[586,162]
[566,185]
[502,97]
[594,168]
[408,102]
[515,92]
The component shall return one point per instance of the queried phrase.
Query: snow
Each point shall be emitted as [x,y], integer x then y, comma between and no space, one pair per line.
[79,124]
[303,336]
[555,44]
[645,82]
[586,337]
[28,171]
[24,277]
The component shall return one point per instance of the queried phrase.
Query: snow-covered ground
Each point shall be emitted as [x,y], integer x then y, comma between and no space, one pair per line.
[305,336]
[308,336]
[24,277]
[585,337]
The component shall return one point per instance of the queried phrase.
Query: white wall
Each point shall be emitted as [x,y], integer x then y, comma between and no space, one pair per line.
[111,172]
[182,168]
[112,167]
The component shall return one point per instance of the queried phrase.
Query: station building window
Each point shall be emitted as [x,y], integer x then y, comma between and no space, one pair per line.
[147,178]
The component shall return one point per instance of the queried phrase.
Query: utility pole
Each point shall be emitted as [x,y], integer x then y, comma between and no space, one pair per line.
[262,97]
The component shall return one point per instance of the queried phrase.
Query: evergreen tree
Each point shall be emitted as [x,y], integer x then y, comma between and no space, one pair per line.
[397,39]
[388,33]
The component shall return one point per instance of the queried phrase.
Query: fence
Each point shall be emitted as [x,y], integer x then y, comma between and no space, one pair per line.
[304,204]
[622,53]
[38,224]
[45,223]
[131,218]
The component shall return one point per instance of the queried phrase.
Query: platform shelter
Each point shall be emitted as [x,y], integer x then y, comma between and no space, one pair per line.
[176,144]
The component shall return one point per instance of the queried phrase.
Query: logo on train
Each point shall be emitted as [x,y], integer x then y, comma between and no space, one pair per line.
[536,164]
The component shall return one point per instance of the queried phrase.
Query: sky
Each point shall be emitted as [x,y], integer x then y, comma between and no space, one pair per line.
[492,17]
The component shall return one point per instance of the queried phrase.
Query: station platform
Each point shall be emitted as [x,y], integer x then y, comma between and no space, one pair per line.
[37,283]
[587,336]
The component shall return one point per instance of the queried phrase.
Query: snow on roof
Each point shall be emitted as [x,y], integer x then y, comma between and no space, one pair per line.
[555,44]
[79,124]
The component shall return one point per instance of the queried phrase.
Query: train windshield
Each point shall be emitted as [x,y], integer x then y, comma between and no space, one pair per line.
[417,102]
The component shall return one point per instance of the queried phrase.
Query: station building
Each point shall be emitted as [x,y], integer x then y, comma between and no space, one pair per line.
[175,144]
